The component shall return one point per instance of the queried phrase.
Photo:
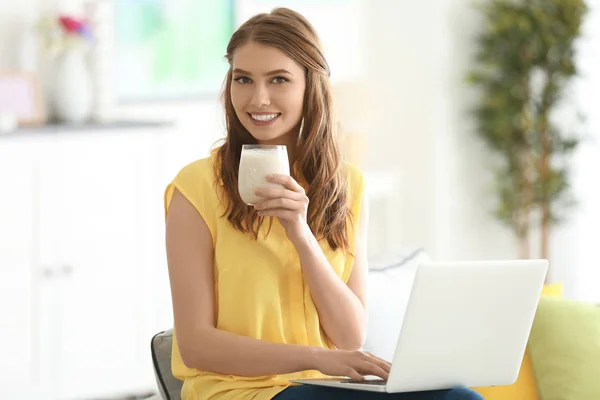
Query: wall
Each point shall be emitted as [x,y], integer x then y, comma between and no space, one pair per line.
[15,17]
[413,55]
[583,235]
[473,234]
[416,59]
[416,69]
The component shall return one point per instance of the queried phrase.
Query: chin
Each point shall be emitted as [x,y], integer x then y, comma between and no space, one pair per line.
[271,134]
[266,138]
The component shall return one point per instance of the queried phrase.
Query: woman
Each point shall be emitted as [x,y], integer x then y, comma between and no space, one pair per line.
[273,292]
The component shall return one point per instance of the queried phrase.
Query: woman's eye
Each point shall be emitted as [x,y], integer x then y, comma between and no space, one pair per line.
[242,79]
[279,79]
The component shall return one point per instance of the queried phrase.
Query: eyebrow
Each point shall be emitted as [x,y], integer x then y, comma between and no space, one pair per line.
[274,72]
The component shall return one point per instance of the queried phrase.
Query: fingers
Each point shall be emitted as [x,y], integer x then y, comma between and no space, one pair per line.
[280,198]
[356,365]
[287,181]
[358,373]
[353,374]
[369,364]
[279,192]
[368,367]
[386,365]
[278,212]
[283,203]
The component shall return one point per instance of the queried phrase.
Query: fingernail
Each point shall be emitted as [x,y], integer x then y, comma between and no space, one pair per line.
[269,177]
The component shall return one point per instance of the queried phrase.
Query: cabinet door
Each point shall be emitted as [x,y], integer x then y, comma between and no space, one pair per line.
[91,252]
[158,291]
[18,359]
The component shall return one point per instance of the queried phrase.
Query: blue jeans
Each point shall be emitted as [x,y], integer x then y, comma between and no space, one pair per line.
[306,392]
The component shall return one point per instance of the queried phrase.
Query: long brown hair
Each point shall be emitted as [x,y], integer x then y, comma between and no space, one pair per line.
[319,161]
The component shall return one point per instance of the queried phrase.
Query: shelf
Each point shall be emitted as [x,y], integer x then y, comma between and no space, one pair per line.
[55,128]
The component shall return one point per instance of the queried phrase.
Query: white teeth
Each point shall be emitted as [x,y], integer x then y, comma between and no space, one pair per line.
[263,117]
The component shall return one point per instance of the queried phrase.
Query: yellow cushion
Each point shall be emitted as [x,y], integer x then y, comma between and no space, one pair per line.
[554,290]
[524,388]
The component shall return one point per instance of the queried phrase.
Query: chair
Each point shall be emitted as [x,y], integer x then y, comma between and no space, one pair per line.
[169,387]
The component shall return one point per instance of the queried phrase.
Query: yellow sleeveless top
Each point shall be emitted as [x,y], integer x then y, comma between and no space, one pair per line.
[259,288]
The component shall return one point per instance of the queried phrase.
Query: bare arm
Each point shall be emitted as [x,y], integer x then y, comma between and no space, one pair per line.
[341,307]
[201,344]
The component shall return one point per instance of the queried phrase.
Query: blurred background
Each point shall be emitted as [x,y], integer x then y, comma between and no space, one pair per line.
[468,133]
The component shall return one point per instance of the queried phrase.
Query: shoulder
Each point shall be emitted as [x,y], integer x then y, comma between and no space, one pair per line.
[198,170]
[197,182]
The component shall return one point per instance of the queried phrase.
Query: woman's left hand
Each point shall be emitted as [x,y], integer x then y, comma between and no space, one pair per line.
[288,203]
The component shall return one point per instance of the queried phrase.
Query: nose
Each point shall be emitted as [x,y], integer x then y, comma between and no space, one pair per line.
[260,96]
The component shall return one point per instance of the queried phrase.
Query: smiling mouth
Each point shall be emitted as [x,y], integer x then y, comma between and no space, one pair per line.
[264,117]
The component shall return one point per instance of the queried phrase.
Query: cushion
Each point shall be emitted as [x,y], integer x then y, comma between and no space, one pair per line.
[388,288]
[525,386]
[565,349]
[169,387]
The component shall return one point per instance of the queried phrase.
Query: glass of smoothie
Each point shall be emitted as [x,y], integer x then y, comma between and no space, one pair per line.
[258,161]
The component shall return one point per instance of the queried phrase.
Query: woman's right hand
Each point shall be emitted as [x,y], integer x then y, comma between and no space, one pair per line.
[351,363]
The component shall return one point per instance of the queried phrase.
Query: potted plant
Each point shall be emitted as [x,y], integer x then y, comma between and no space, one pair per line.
[524,62]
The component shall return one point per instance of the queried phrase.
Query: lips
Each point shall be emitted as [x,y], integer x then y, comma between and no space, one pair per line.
[263,119]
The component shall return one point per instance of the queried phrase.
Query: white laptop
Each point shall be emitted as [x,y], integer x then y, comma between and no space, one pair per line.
[466,324]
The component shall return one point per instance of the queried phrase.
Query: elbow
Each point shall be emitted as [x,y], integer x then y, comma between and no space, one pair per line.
[198,358]
[351,341]
[193,354]
[353,335]
[192,357]
[189,357]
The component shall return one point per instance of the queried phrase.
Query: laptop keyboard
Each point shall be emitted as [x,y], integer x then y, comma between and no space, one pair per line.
[377,382]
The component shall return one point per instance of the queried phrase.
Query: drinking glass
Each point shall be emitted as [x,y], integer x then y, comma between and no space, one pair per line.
[258,161]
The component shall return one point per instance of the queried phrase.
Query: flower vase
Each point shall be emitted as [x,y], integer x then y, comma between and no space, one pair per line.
[72,88]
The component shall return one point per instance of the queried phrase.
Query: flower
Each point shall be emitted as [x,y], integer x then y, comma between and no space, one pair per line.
[70,24]
[63,32]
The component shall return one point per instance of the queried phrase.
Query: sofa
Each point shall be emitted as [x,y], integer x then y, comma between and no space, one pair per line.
[575,377]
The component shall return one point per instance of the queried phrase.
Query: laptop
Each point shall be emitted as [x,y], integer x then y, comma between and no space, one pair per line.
[466,324]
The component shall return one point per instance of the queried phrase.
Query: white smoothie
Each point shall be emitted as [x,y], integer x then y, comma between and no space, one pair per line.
[255,165]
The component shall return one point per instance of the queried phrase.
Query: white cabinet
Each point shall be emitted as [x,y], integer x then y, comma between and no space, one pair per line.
[84,243]
[91,251]
[17,231]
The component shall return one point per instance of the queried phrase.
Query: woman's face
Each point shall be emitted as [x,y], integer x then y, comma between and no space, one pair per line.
[267,92]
